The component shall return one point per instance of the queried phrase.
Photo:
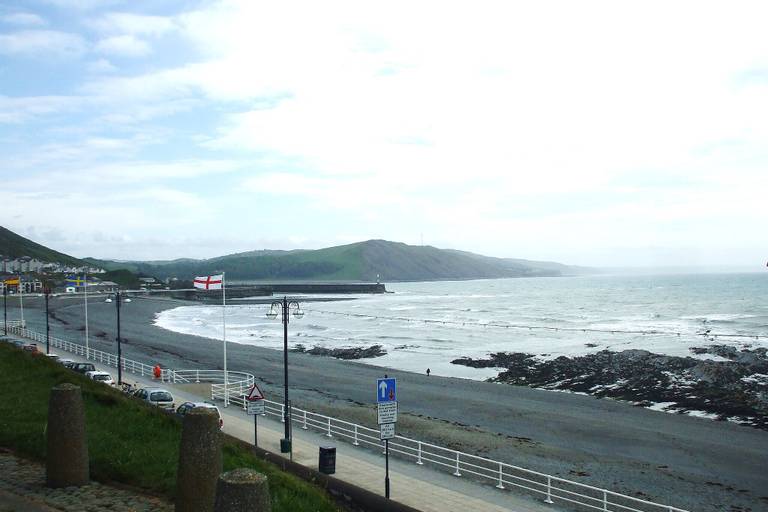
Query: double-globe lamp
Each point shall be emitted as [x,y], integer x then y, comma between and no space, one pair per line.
[286,306]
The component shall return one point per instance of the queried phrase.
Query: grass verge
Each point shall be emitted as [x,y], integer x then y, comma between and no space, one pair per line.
[128,442]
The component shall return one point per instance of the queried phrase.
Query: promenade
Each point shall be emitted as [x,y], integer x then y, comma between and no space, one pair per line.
[417,486]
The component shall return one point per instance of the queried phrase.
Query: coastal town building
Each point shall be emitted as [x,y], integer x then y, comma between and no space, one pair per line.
[95,286]
[27,285]
[27,264]
[23,264]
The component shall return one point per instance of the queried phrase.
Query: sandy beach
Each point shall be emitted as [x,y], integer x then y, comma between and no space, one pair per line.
[679,460]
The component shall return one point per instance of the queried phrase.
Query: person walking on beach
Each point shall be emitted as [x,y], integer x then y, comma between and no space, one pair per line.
[428,372]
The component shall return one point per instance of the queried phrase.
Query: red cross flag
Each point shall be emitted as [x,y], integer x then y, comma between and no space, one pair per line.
[209,282]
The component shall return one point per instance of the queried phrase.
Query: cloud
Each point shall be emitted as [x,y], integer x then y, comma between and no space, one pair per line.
[101,66]
[18,110]
[23,18]
[42,43]
[133,24]
[561,133]
[82,5]
[124,46]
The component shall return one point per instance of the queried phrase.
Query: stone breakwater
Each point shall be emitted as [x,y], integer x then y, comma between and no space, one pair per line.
[27,479]
[734,387]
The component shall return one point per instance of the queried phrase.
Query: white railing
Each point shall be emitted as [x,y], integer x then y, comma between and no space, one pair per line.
[500,474]
[237,382]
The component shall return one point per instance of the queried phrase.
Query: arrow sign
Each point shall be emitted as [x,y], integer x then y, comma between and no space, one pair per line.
[386,390]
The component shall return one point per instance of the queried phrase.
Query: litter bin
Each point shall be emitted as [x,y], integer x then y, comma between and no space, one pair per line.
[285,445]
[327,463]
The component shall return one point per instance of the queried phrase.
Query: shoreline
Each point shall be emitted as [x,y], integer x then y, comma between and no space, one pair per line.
[730,387]
[683,461]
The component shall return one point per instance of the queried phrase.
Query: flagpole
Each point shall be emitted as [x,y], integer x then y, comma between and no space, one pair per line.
[85,284]
[224,331]
[21,301]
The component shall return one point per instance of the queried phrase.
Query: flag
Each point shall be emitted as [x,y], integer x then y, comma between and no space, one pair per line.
[14,281]
[75,280]
[209,282]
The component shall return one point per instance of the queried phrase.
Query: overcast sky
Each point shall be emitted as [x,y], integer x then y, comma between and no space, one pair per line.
[594,133]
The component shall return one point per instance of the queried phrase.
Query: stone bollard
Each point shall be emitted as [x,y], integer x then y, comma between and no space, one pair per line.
[199,461]
[243,490]
[67,459]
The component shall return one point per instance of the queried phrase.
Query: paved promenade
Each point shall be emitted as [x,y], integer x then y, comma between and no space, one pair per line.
[417,486]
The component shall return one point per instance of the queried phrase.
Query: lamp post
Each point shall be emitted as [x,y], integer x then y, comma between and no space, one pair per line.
[5,308]
[286,306]
[118,301]
[47,322]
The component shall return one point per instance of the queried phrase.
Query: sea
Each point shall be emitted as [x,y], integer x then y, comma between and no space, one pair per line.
[424,325]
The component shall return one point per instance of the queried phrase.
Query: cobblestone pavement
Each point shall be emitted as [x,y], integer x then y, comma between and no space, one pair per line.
[27,479]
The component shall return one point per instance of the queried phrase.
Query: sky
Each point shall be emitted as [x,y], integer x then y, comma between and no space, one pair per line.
[590,133]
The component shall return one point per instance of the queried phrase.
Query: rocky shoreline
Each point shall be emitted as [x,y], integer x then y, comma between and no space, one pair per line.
[732,386]
[343,353]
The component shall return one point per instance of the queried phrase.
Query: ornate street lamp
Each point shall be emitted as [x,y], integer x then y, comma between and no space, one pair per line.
[118,301]
[285,306]
[47,322]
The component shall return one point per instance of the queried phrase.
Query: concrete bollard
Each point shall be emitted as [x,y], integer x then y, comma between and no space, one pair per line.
[199,461]
[67,459]
[243,490]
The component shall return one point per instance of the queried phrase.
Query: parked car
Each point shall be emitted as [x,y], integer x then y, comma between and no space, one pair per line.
[188,406]
[53,357]
[18,343]
[84,367]
[30,347]
[67,363]
[156,396]
[98,376]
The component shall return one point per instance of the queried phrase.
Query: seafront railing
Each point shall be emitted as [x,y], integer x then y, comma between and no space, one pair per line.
[502,475]
[237,383]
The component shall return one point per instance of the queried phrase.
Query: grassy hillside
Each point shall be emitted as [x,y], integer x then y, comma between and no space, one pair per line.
[361,261]
[14,246]
[128,442]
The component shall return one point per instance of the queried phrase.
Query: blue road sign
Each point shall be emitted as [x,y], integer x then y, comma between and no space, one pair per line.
[386,390]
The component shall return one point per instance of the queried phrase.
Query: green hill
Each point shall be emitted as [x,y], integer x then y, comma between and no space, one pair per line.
[361,261]
[14,246]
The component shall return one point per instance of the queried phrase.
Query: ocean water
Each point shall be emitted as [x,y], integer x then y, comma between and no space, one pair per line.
[427,325]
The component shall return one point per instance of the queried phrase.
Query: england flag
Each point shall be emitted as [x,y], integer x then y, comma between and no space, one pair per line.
[209,282]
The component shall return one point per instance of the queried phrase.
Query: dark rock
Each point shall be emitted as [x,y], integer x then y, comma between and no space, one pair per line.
[736,389]
[343,353]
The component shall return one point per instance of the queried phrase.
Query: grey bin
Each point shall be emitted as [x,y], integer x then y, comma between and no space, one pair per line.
[327,462]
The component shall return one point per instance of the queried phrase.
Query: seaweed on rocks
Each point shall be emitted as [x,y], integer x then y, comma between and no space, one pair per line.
[343,353]
[736,389]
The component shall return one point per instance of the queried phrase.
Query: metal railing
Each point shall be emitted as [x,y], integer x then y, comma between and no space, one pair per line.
[501,474]
[236,384]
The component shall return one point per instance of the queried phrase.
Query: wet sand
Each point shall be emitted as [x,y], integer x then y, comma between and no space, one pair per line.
[678,460]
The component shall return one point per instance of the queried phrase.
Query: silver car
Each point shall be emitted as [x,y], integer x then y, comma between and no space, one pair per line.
[188,406]
[98,376]
[156,396]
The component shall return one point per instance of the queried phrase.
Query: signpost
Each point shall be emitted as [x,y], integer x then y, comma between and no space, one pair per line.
[255,404]
[386,398]
[387,431]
